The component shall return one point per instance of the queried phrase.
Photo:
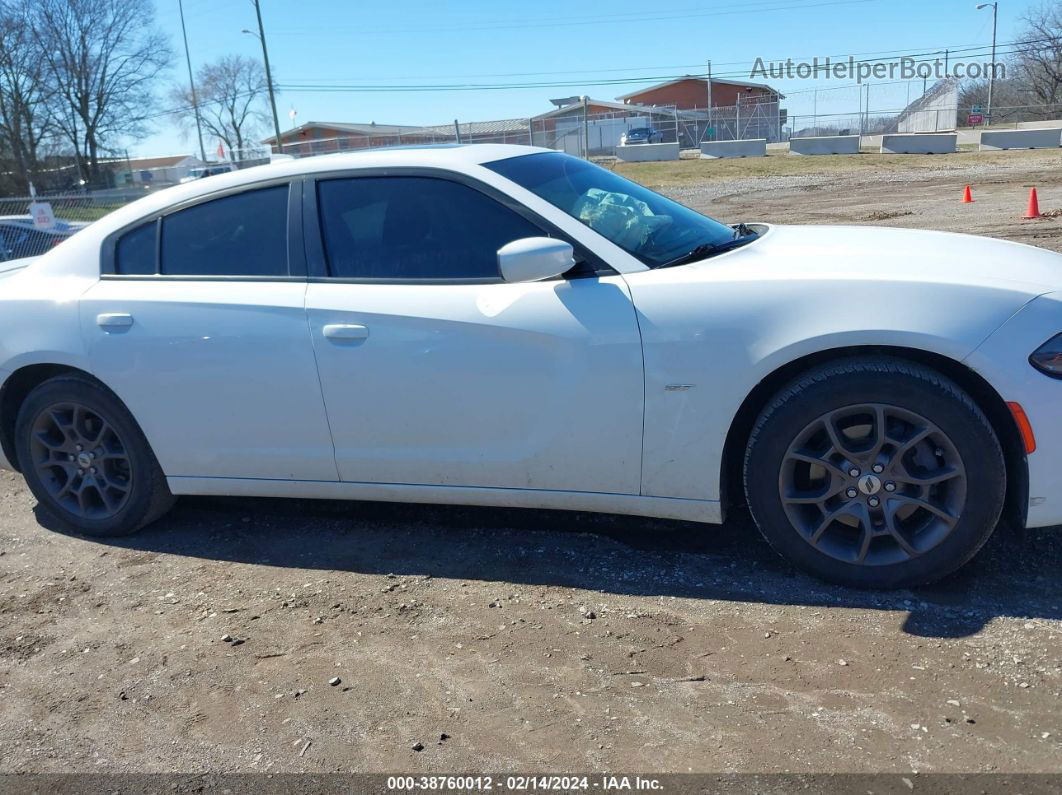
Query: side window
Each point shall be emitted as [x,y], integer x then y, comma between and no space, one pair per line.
[245,234]
[135,253]
[414,228]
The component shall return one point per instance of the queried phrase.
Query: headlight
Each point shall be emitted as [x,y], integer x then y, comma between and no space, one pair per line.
[1048,357]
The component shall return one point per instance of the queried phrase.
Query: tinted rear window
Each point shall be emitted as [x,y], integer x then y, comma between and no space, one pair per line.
[241,235]
[135,252]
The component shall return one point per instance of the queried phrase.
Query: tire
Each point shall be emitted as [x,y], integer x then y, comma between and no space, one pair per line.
[933,502]
[86,460]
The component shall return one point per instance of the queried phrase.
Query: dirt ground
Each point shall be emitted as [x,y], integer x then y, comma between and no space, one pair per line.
[535,641]
[920,192]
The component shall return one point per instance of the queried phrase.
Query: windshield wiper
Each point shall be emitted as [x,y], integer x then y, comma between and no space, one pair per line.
[706,250]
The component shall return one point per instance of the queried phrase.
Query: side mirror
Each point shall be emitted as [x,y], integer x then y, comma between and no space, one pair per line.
[532,259]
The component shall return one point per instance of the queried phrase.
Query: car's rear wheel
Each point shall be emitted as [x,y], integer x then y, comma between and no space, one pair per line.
[875,473]
[86,460]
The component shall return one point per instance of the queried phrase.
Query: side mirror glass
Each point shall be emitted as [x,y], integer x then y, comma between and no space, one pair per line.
[532,259]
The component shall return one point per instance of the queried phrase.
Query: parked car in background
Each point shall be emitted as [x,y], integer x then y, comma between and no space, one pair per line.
[207,171]
[513,326]
[20,238]
[641,135]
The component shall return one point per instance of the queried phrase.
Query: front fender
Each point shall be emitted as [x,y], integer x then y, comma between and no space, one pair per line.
[711,335]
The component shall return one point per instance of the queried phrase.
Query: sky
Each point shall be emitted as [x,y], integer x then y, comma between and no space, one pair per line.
[345,61]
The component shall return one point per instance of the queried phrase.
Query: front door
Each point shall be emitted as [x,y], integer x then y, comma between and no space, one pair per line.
[435,372]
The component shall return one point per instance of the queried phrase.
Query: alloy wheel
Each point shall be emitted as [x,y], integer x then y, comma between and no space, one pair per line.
[81,460]
[873,484]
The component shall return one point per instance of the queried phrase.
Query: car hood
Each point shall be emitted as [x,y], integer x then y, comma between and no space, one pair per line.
[887,254]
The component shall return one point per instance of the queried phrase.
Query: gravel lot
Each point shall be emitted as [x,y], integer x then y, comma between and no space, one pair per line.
[537,641]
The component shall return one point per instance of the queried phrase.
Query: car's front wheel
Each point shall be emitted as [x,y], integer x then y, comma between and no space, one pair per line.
[875,473]
[86,460]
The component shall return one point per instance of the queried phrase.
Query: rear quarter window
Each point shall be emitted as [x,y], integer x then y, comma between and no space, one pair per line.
[134,255]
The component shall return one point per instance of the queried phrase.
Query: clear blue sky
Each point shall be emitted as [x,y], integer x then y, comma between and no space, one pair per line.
[423,42]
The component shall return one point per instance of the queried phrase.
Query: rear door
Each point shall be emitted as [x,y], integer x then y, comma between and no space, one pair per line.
[436,372]
[200,327]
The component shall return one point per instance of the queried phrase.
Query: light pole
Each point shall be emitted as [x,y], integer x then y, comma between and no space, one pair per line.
[269,76]
[992,66]
[191,83]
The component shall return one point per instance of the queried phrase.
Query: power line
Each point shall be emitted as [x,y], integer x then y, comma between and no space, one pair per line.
[1018,47]
[512,86]
[917,50]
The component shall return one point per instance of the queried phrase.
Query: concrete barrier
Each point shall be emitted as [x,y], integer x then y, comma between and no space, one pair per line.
[753,147]
[919,144]
[1049,138]
[641,153]
[825,145]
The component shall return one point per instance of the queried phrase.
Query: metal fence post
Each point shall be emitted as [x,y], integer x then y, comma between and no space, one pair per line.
[457,131]
[586,128]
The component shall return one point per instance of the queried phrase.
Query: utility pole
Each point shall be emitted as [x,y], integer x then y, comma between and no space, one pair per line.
[992,74]
[191,83]
[269,74]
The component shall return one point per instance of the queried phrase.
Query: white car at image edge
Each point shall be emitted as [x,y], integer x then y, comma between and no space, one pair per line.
[511,326]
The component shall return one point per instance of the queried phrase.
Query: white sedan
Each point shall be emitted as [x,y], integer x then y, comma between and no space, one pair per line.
[510,326]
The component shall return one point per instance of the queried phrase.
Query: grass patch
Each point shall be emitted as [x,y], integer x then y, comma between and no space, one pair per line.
[88,213]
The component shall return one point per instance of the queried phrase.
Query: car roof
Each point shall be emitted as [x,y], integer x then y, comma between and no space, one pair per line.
[455,157]
[425,155]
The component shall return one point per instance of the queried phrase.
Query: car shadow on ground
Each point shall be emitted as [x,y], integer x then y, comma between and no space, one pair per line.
[1016,575]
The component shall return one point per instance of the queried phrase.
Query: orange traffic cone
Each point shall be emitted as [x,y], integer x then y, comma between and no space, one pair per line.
[1034,206]
[967,197]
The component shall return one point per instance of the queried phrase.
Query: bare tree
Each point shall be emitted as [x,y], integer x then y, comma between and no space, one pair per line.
[103,57]
[1039,60]
[231,93]
[25,115]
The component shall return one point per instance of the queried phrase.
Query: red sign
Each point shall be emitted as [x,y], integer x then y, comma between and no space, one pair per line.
[975,118]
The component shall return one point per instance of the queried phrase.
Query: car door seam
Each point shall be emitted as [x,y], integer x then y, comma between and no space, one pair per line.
[320,384]
[641,356]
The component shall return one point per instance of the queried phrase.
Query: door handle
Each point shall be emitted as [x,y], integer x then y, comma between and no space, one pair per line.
[114,320]
[344,331]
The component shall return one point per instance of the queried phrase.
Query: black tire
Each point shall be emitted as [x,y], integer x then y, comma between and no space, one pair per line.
[129,490]
[889,393]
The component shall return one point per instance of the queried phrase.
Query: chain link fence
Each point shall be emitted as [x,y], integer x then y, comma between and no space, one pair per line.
[583,130]
[30,226]
[578,129]
[924,120]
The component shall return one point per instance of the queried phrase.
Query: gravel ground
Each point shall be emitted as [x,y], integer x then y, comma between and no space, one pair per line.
[926,198]
[280,636]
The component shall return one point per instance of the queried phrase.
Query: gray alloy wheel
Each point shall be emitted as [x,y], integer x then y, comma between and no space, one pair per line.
[81,461]
[873,484]
[86,460]
[875,472]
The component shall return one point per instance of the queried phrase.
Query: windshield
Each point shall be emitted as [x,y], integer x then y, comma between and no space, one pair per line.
[654,229]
